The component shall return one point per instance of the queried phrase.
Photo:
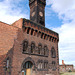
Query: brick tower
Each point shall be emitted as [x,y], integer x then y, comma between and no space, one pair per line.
[37,11]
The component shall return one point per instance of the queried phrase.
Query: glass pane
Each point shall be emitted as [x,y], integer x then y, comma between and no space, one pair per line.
[7,63]
[27,65]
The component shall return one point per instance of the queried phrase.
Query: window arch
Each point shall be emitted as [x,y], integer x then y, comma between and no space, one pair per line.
[39,48]
[53,53]
[53,62]
[45,64]
[32,47]
[26,60]
[54,65]
[25,46]
[40,64]
[7,63]
[45,50]
[27,65]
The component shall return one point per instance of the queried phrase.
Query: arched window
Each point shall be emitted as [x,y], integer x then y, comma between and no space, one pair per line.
[53,53]
[25,46]
[27,65]
[32,47]
[40,64]
[45,64]
[39,48]
[45,50]
[7,63]
[54,65]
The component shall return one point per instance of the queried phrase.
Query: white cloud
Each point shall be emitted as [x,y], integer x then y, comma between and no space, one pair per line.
[66,42]
[66,11]
[64,8]
[10,11]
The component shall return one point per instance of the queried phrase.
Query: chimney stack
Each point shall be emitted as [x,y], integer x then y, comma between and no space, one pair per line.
[63,62]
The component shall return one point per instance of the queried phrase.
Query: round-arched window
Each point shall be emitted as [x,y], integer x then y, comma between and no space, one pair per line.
[25,46]
[32,47]
[27,65]
[39,48]
[53,53]
[45,50]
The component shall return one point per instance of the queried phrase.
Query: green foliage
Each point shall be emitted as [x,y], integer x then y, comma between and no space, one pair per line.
[68,73]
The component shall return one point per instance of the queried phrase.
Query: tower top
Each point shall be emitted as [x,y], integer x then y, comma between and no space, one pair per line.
[37,11]
[38,1]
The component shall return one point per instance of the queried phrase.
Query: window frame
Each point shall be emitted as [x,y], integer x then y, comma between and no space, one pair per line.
[32,47]
[53,52]
[25,49]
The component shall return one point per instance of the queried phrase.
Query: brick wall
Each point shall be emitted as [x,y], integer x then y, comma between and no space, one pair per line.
[13,37]
[7,35]
[66,68]
[19,57]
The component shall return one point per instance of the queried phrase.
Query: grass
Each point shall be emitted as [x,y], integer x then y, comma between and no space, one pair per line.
[68,73]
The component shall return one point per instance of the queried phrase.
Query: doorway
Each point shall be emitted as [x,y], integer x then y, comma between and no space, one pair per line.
[27,68]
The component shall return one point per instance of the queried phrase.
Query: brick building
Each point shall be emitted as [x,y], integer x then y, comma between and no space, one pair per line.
[27,47]
[66,67]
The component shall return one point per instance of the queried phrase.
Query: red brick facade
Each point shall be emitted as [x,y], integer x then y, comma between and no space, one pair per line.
[11,48]
[66,67]
[28,48]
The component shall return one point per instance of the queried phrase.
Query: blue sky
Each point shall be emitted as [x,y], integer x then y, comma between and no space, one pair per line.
[60,17]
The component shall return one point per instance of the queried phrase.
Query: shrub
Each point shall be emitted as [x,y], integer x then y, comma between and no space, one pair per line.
[69,71]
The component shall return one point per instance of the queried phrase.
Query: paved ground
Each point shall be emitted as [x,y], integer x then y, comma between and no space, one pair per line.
[69,73]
